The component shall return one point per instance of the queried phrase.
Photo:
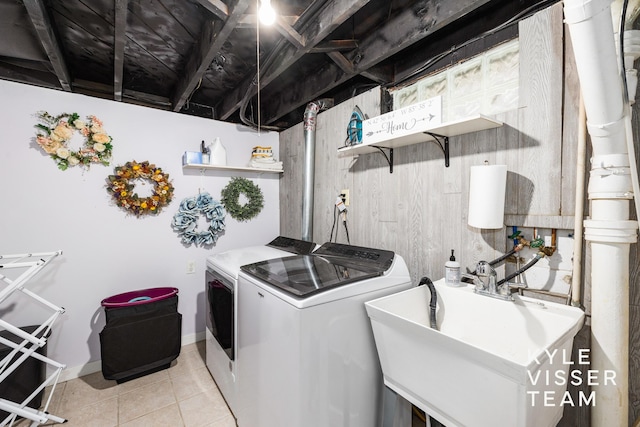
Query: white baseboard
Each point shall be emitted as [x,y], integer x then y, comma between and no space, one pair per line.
[73,372]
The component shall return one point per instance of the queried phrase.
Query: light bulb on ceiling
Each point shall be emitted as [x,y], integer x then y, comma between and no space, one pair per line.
[266,13]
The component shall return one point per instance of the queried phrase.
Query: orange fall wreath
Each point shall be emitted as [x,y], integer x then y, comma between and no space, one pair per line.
[122,185]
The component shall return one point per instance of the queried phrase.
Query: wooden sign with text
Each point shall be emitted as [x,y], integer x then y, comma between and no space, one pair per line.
[414,118]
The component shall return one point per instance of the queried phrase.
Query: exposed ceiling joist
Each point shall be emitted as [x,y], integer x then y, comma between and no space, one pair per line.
[15,71]
[289,33]
[147,99]
[283,56]
[200,57]
[213,38]
[250,20]
[217,7]
[42,24]
[341,62]
[382,75]
[334,46]
[406,28]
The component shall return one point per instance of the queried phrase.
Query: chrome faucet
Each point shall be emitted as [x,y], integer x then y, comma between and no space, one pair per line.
[485,282]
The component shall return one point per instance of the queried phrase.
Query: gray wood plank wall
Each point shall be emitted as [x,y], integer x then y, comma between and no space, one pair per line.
[420,210]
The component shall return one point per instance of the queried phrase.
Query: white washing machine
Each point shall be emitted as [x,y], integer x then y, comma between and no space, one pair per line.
[221,281]
[306,351]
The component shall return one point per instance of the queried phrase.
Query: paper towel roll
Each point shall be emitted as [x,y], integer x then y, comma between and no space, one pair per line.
[487,190]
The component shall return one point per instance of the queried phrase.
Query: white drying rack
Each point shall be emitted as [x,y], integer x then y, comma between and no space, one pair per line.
[31,342]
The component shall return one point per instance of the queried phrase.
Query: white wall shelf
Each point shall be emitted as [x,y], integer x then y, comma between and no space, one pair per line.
[440,134]
[203,168]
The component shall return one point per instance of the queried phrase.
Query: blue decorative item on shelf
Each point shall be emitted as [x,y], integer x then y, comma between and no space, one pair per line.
[354,130]
[185,222]
[192,157]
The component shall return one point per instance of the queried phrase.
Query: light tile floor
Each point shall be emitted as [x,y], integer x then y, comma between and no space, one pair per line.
[182,395]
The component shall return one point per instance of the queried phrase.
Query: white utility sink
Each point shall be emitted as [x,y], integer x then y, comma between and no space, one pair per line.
[486,365]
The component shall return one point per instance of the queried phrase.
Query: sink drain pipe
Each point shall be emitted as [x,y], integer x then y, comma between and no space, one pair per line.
[433,301]
[310,115]
[608,231]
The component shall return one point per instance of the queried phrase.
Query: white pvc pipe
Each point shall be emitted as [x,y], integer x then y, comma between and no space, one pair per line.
[591,31]
[608,231]
[629,56]
[632,163]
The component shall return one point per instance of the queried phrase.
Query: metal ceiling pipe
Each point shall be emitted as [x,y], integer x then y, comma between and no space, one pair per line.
[310,115]
[608,231]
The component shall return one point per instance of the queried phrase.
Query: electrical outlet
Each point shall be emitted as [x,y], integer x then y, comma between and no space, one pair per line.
[345,199]
[191,267]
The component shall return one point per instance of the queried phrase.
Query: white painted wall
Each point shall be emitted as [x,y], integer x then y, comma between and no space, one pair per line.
[107,251]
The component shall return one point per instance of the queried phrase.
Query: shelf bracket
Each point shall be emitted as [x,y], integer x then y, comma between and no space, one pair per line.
[443,143]
[389,157]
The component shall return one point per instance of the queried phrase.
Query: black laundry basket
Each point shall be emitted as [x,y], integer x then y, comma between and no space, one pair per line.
[143,333]
[27,377]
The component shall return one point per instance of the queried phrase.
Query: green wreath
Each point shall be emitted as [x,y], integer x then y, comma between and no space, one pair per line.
[231,194]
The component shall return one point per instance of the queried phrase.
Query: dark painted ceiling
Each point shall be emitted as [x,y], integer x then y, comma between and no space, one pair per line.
[199,57]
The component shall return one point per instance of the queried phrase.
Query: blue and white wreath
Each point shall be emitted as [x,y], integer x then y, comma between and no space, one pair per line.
[185,222]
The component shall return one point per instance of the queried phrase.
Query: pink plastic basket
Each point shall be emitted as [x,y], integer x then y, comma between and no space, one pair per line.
[142,296]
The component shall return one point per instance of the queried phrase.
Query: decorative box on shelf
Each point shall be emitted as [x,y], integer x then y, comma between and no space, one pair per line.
[191,157]
[415,118]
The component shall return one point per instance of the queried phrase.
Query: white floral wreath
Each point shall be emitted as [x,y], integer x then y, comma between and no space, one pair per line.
[55,132]
[185,222]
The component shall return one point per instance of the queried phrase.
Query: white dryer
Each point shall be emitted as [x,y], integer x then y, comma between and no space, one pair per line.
[305,346]
[221,283]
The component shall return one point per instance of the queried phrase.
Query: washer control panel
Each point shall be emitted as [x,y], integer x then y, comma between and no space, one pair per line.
[374,258]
